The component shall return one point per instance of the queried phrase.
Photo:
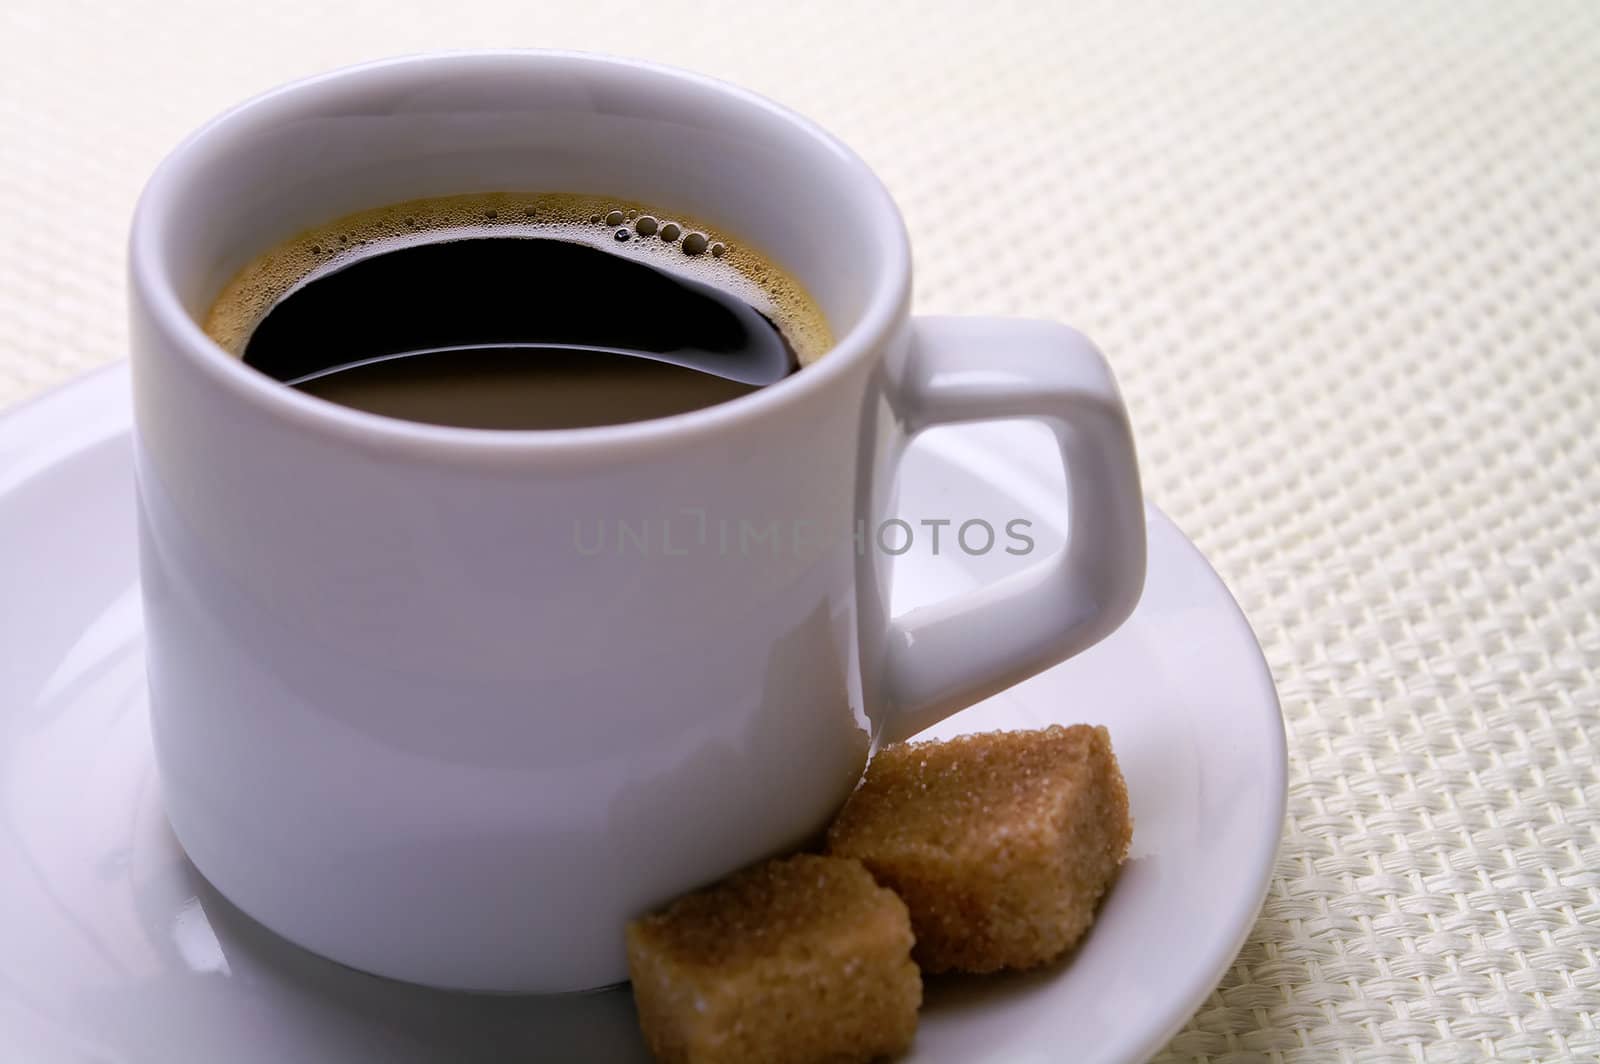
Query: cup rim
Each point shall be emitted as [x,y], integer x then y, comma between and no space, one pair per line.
[152,285]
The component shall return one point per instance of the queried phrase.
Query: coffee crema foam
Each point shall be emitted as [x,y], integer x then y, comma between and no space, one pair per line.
[664,239]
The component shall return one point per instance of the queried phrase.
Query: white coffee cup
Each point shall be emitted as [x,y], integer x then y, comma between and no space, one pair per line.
[410,711]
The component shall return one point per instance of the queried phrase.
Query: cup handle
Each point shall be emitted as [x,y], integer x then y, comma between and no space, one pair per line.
[948,655]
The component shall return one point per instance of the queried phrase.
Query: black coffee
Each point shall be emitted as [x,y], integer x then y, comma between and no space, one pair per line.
[521,323]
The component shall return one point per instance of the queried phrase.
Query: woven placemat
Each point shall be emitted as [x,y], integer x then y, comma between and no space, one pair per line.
[1346,259]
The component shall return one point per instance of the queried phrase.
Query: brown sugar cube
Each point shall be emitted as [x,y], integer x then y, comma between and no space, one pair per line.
[1000,844]
[795,960]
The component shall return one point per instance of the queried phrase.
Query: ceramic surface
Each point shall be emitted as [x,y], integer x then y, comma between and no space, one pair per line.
[119,951]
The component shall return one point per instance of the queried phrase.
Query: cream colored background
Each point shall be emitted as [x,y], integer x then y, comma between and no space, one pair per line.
[1346,259]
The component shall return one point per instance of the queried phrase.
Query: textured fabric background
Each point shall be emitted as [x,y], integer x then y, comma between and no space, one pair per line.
[1346,259]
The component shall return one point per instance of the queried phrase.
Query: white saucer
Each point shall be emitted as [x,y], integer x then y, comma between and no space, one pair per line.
[116,950]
